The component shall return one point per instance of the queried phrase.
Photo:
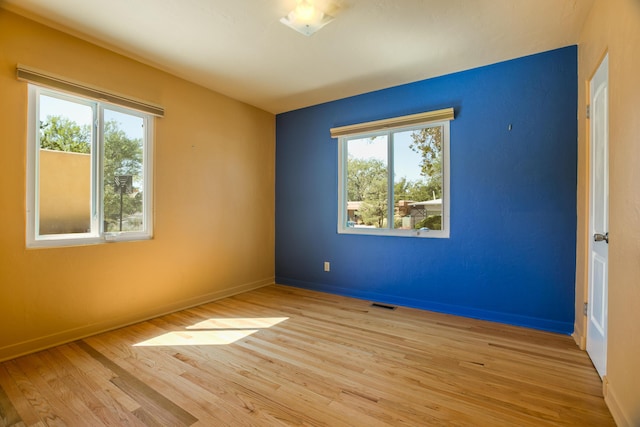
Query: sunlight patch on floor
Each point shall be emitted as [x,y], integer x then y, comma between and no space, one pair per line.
[197,338]
[219,331]
[239,323]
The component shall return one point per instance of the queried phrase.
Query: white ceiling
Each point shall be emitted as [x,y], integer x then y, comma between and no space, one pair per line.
[239,47]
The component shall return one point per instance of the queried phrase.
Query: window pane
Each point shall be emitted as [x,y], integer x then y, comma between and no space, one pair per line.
[367,182]
[64,166]
[123,172]
[418,178]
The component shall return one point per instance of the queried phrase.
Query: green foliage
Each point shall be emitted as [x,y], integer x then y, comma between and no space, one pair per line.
[432,222]
[363,175]
[417,191]
[367,182]
[428,143]
[61,134]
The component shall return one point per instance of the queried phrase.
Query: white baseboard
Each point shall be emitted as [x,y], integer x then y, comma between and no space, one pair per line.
[41,343]
[621,419]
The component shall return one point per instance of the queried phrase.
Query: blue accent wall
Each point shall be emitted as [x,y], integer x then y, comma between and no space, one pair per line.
[511,253]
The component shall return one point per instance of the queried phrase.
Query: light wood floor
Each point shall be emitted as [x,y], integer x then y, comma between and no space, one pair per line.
[285,356]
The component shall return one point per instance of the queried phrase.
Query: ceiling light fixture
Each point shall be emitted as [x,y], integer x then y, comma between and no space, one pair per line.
[306,18]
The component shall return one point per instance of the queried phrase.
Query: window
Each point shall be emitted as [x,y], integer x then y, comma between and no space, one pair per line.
[394,179]
[89,170]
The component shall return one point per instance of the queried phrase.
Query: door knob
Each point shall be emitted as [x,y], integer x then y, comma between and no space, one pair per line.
[598,237]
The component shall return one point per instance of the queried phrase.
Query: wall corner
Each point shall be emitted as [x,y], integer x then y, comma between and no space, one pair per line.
[579,338]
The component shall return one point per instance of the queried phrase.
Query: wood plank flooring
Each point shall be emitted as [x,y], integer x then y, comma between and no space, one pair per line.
[280,356]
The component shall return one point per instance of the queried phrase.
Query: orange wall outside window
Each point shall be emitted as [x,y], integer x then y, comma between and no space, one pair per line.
[65,192]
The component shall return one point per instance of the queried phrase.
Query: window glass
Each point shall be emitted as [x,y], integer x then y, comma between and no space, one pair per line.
[367,182]
[418,178]
[64,167]
[123,172]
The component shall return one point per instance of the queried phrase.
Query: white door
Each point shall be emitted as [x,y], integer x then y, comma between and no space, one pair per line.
[599,219]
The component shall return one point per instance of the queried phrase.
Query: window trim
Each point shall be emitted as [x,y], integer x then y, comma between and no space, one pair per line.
[97,235]
[389,129]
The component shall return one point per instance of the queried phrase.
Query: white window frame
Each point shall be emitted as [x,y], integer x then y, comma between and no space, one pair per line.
[342,183]
[97,233]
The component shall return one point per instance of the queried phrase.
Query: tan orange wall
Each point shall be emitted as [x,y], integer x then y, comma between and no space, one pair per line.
[214,165]
[65,192]
[614,27]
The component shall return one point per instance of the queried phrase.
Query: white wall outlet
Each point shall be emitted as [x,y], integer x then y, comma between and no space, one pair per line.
[327,266]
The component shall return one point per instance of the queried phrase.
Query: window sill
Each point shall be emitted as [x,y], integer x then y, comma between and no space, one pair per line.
[58,242]
[422,234]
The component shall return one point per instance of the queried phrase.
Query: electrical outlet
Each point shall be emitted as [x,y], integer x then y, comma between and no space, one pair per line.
[327,266]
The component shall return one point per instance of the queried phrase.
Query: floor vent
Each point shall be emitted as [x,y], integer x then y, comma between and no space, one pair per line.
[386,307]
